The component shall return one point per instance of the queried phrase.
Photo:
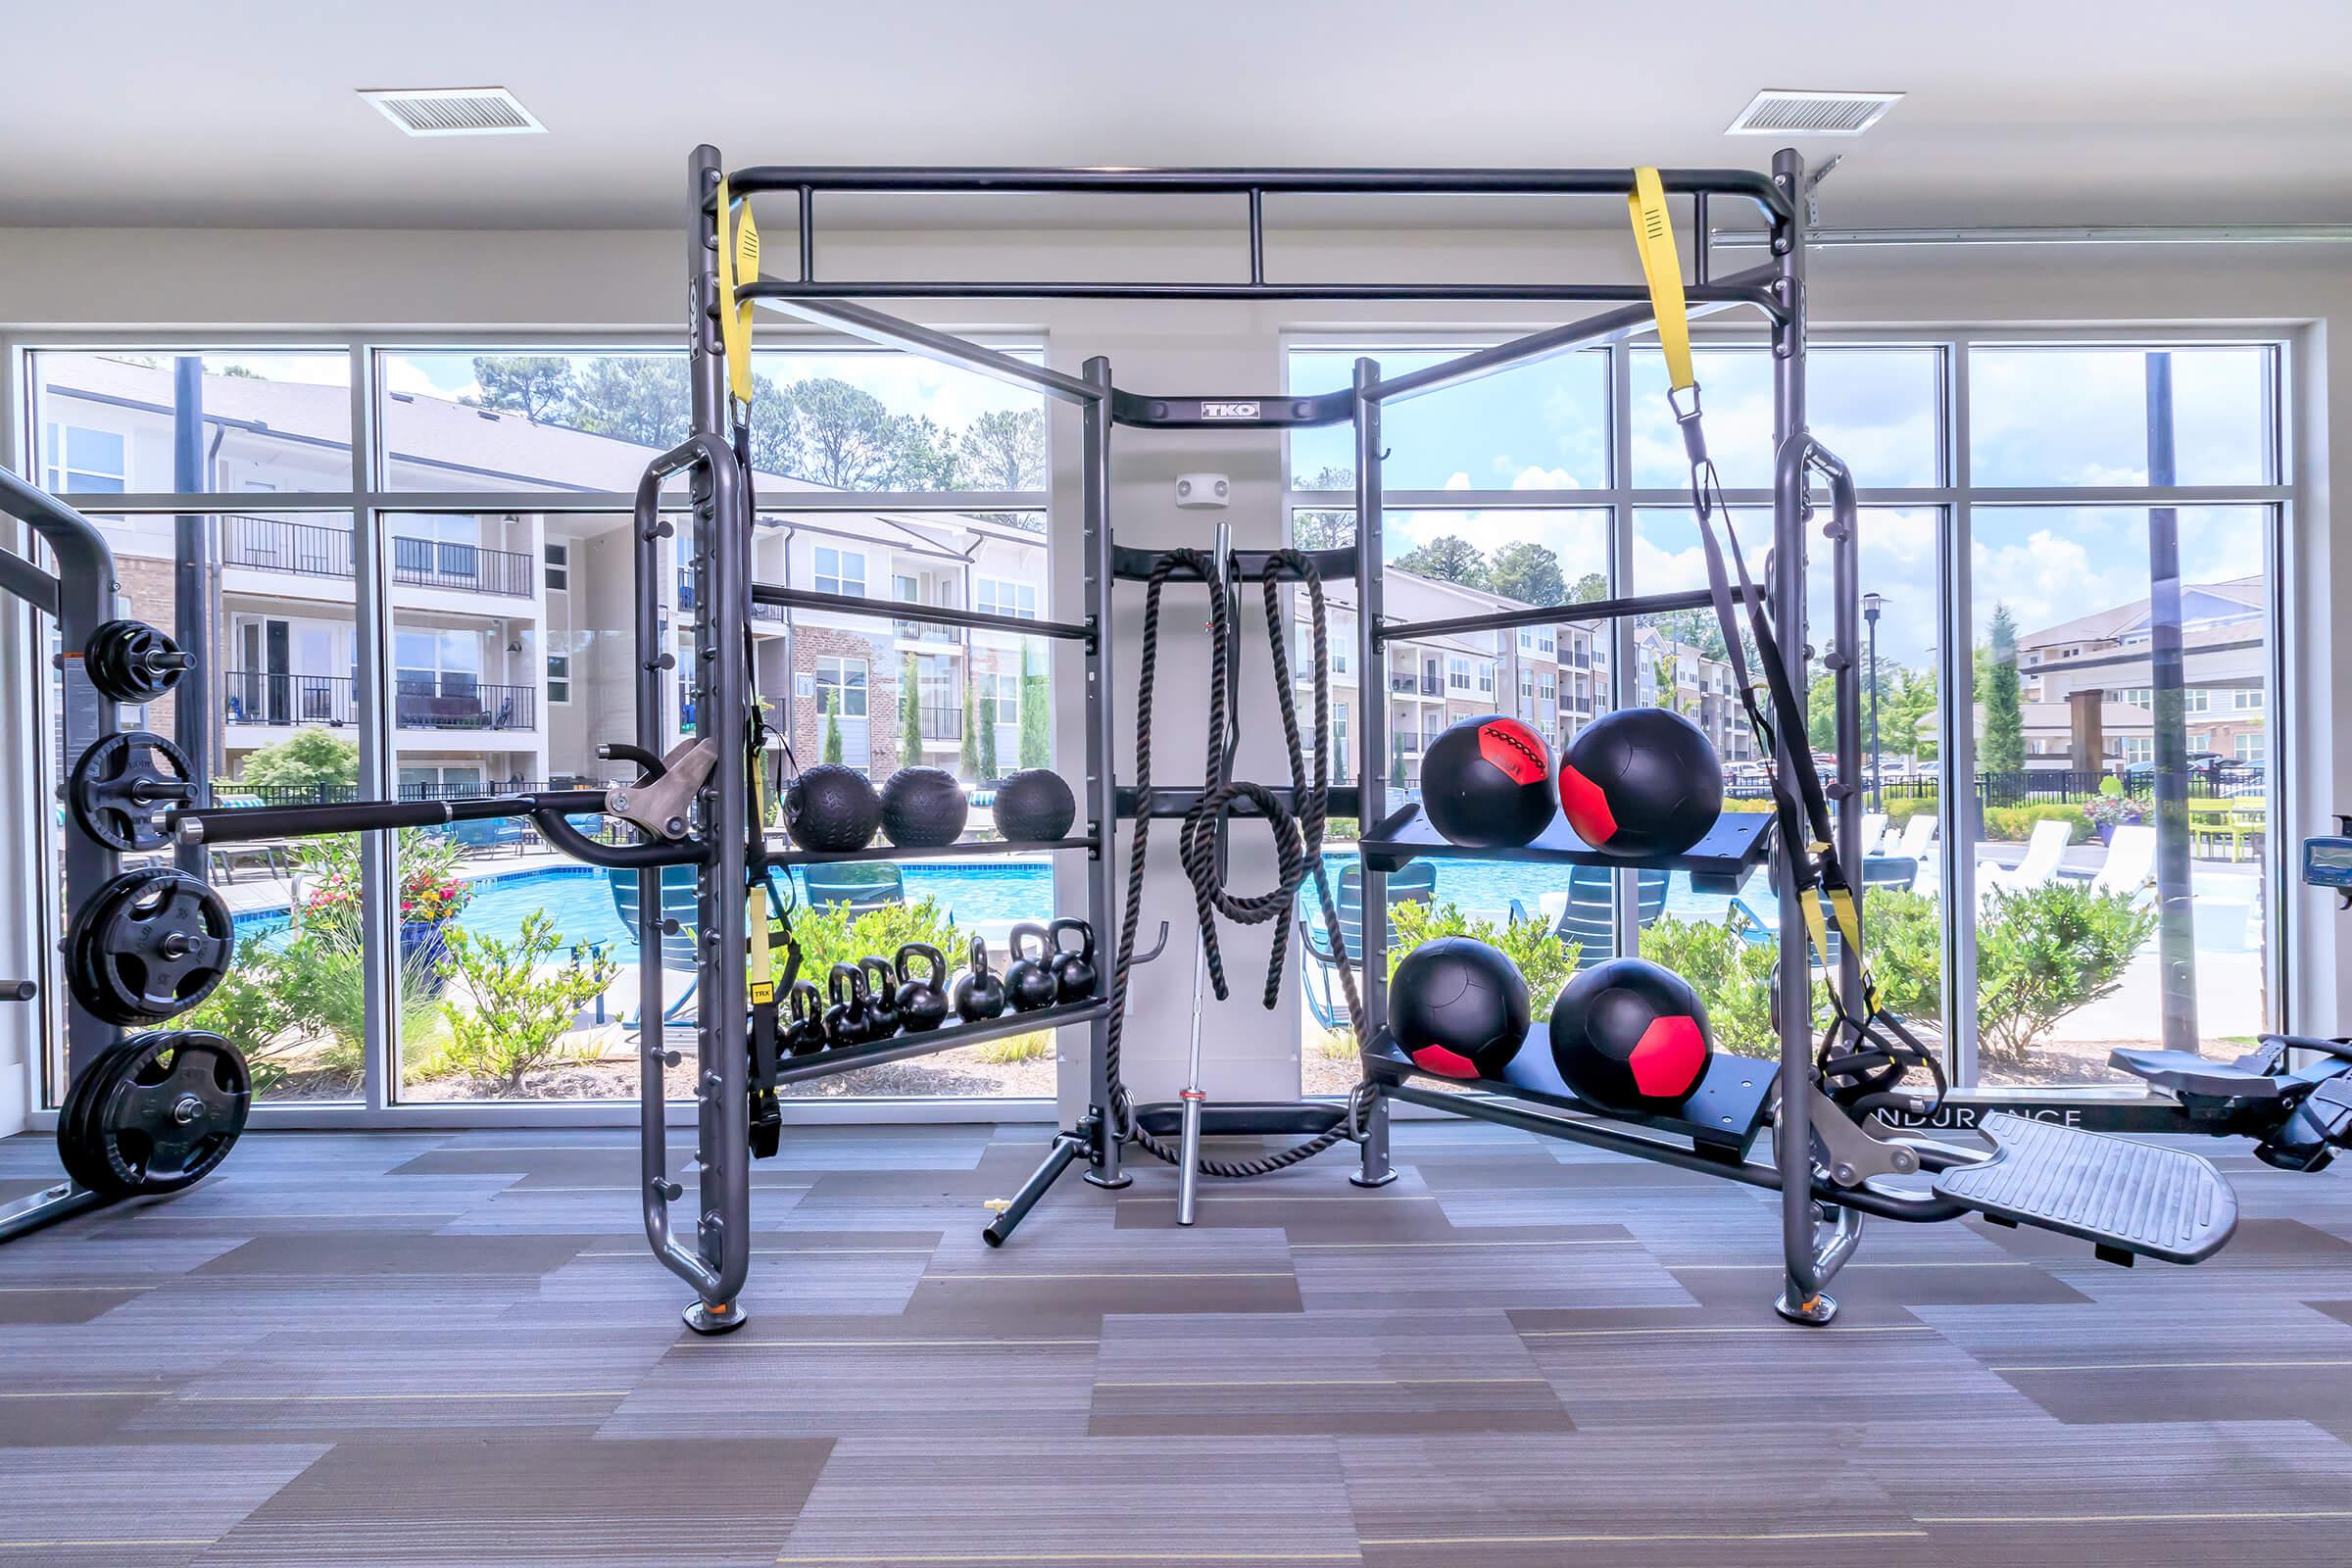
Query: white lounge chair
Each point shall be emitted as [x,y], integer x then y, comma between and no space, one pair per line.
[1918,836]
[2044,852]
[2131,864]
[1873,828]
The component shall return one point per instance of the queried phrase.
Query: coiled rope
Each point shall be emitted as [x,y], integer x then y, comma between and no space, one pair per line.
[1297,837]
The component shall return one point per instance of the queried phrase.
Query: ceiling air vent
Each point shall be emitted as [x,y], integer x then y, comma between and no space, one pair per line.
[1787,112]
[454,110]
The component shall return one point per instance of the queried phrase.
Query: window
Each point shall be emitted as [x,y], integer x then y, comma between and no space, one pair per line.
[2138,749]
[840,571]
[841,686]
[2072,416]
[2196,700]
[261,420]
[2247,699]
[997,597]
[82,460]
[1458,674]
[559,677]
[2247,746]
[1486,677]
[558,568]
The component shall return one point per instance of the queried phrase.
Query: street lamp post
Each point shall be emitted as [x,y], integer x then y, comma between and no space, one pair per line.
[1872,604]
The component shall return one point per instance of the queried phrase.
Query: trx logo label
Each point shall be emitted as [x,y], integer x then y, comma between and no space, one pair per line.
[1511,748]
[1229,410]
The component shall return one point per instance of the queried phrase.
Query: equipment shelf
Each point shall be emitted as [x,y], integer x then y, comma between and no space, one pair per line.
[902,1047]
[1720,860]
[925,852]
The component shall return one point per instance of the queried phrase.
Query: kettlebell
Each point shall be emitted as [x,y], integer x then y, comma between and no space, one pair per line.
[922,1003]
[1028,982]
[882,1003]
[979,994]
[1073,967]
[847,1021]
[805,1033]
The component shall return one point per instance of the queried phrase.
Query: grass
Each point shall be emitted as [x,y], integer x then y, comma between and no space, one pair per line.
[1335,1044]
[1017,1048]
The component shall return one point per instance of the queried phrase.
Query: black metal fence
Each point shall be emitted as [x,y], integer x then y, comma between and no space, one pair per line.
[325,794]
[2036,786]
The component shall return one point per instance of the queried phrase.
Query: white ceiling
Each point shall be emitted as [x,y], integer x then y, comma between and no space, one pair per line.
[138,111]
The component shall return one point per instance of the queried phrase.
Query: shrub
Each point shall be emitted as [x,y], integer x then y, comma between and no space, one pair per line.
[249,1009]
[1732,975]
[430,890]
[2044,951]
[2013,824]
[1901,811]
[1010,1049]
[1544,962]
[511,1016]
[828,937]
[305,760]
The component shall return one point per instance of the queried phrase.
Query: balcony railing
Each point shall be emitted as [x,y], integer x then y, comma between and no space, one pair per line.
[1426,685]
[307,550]
[257,697]
[941,722]
[924,631]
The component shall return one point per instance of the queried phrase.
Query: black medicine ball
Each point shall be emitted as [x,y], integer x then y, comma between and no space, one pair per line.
[831,807]
[1034,805]
[1459,1007]
[923,806]
[1641,781]
[1486,783]
[1628,1035]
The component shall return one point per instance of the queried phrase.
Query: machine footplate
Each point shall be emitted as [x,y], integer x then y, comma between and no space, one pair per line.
[2117,1193]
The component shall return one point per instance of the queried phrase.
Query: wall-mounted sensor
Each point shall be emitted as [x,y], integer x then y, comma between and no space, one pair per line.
[1202,490]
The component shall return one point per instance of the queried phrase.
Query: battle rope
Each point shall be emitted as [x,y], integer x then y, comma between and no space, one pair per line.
[1298,837]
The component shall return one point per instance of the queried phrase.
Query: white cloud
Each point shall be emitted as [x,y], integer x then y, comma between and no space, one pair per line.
[1537,478]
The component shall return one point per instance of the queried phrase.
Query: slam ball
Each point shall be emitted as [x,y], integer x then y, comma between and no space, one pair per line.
[831,807]
[1641,781]
[1486,783]
[1459,1007]
[1628,1035]
[923,806]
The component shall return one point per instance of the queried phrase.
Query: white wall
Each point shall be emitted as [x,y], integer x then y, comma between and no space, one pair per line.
[477,284]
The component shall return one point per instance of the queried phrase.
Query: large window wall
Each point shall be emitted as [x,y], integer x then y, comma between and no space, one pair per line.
[445,608]
[2080,537]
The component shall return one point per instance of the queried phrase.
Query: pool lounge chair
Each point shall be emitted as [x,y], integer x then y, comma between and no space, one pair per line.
[1319,964]
[2130,869]
[854,885]
[1586,914]
[2044,853]
[1756,912]
[678,950]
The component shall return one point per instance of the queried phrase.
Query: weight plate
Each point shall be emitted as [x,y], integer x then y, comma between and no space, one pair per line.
[149,945]
[168,1109]
[77,1142]
[124,784]
[122,660]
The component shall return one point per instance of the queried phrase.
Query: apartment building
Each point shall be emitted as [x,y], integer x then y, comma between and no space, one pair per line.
[1674,674]
[2085,685]
[512,643]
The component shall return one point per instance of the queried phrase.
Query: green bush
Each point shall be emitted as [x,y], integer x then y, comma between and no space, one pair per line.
[1901,812]
[250,1009]
[2014,824]
[2040,954]
[509,1016]
[1732,975]
[828,937]
[1006,1049]
[305,760]
[1544,962]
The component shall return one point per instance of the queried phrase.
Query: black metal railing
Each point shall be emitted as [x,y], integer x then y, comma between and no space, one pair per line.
[310,550]
[421,704]
[302,549]
[260,697]
[257,697]
[467,568]
[940,722]
[232,792]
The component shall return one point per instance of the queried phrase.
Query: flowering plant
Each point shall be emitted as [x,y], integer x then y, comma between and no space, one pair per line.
[2110,810]
[432,897]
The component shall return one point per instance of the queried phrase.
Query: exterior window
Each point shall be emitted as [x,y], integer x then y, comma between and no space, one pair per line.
[841,686]
[2196,700]
[2247,699]
[1486,677]
[996,596]
[558,568]
[840,571]
[559,677]
[2248,747]
[1457,675]
[86,461]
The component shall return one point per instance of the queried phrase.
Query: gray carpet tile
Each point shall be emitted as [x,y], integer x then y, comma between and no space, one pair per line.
[454,1347]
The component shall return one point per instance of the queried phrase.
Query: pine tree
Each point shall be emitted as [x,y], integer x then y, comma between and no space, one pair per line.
[910,718]
[988,740]
[2003,749]
[831,749]
[1037,738]
[968,758]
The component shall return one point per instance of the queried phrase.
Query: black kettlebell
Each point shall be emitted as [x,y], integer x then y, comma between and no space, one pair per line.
[922,1003]
[882,1002]
[847,1021]
[804,1007]
[1028,982]
[1073,967]
[979,994]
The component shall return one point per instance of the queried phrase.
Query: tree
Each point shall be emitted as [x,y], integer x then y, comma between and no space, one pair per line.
[1037,737]
[2003,748]
[1905,729]
[1004,449]
[1447,559]
[1587,589]
[1697,627]
[832,748]
[1528,572]
[1821,714]
[637,397]
[776,429]
[303,761]
[1319,529]
[847,438]
[910,718]
[968,759]
[988,740]
[538,385]
[922,456]
[1665,671]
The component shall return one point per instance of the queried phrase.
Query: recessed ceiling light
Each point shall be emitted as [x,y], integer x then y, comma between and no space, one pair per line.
[1792,112]
[454,110]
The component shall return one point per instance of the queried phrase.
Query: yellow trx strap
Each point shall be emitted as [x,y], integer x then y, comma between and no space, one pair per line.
[1662,268]
[738,263]
[762,974]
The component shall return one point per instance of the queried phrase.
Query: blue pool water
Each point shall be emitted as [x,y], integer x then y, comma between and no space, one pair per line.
[579,900]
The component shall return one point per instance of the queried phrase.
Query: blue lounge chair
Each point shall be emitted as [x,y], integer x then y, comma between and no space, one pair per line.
[854,885]
[677,951]
[1415,883]
[1758,914]
[1589,917]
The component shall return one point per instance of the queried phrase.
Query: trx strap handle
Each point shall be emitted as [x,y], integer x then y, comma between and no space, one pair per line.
[767,1117]
[738,263]
[1662,268]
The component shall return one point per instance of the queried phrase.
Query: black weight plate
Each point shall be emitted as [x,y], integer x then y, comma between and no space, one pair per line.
[107,780]
[77,1144]
[117,658]
[171,1106]
[149,945]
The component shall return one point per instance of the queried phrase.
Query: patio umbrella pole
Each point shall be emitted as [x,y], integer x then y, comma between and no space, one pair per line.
[2176,920]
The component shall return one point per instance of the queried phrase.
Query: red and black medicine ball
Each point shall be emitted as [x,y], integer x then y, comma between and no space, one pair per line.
[1459,1007]
[1486,783]
[1628,1035]
[1641,781]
